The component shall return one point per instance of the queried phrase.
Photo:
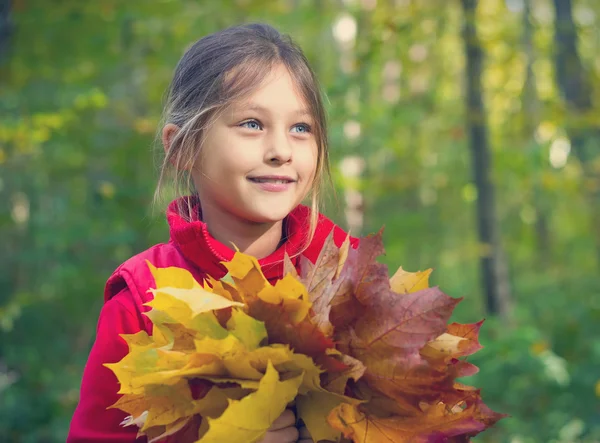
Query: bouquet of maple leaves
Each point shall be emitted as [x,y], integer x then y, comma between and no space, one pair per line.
[363,357]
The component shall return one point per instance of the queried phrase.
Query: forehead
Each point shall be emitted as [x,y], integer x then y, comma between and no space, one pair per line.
[278,91]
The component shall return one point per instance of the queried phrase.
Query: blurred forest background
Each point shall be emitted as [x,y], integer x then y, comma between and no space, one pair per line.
[471,130]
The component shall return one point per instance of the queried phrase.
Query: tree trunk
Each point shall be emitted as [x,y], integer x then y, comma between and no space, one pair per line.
[10,242]
[5,29]
[531,109]
[494,273]
[576,89]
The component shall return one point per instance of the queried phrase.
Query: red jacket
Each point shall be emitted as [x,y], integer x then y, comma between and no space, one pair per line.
[190,247]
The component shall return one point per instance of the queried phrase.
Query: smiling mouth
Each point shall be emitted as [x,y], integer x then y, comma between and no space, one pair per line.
[271,180]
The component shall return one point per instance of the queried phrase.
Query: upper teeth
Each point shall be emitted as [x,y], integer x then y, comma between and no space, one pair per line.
[268,180]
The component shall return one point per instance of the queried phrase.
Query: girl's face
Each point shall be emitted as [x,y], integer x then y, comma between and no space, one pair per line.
[259,158]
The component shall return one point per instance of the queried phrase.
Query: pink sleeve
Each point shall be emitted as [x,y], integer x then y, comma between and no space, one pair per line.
[92,422]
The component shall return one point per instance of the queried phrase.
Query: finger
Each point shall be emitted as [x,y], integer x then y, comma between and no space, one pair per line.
[284,420]
[285,435]
[304,433]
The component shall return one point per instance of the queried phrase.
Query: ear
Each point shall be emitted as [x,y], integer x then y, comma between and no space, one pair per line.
[168,133]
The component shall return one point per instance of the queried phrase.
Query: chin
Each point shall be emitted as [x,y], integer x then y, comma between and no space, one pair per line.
[269,215]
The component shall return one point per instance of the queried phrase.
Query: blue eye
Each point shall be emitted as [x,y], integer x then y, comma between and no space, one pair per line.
[301,128]
[252,124]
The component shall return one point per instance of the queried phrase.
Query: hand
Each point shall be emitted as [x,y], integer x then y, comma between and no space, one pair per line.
[283,429]
[305,436]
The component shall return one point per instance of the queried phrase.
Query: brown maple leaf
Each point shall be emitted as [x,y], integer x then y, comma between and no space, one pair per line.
[438,423]
[409,354]
[324,280]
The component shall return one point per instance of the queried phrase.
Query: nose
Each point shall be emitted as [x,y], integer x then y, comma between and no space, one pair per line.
[279,148]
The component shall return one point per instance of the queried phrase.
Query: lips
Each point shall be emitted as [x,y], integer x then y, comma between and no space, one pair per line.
[272,183]
[279,179]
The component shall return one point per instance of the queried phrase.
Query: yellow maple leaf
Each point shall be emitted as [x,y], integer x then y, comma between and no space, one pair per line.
[162,404]
[212,405]
[147,366]
[126,369]
[446,344]
[234,358]
[249,419]
[179,298]
[239,364]
[290,293]
[138,340]
[251,284]
[173,277]
[178,337]
[246,273]
[225,288]
[168,336]
[403,282]
[314,408]
[183,305]
[343,256]
[248,330]
[460,340]
[158,434]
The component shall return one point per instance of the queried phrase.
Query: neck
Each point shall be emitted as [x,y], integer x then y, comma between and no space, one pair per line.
[256,239]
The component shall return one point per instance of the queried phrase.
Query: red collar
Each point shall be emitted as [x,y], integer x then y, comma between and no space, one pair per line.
[203,250]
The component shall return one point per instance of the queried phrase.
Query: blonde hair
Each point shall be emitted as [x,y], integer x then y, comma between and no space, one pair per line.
[221,69]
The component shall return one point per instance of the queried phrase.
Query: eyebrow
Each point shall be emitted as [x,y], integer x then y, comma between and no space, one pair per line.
[303,112]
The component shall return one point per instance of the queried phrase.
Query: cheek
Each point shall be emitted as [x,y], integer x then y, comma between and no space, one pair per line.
[225,160]
[309,163]
[307,166]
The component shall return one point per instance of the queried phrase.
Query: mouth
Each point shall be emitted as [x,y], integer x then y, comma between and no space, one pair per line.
[273,183]
[272,179]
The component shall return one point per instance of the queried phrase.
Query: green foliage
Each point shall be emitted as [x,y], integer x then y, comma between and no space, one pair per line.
[80,103]
[544,373]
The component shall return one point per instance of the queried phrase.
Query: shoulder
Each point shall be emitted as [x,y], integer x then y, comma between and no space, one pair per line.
[134,273]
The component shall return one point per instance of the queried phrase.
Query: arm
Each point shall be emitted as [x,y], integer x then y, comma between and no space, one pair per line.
[92,422]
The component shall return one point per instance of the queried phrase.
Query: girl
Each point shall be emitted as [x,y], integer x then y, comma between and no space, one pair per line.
[245,125]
